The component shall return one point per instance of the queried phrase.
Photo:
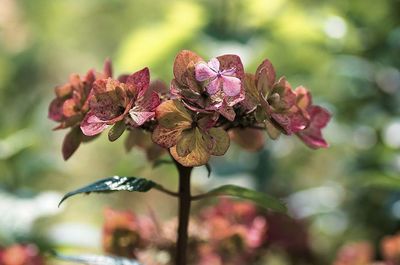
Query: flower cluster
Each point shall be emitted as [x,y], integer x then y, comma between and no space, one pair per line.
[21,255]
[214,238]
[209,103]
[362,253]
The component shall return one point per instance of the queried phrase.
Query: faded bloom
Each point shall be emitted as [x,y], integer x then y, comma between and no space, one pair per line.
[212,87]
[124,233]
[360,253]
[390,247]
[236,231]
[191,137]
[112,101]
[71,105]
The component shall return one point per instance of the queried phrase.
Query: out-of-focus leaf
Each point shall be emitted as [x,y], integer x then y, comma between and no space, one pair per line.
[116,131]
[95,259]
[112,184]
[383,181]
[259,198]
[16,143]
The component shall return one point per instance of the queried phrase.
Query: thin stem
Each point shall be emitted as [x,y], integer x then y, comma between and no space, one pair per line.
[166,191]
[201,196]
[184,211]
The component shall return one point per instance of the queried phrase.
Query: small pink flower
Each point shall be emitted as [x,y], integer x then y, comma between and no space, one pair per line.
[218,78]
[221,86]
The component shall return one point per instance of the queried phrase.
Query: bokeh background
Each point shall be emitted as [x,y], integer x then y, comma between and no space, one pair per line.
[346,52]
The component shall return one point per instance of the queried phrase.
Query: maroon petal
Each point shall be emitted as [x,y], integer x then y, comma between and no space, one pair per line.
[56,110]
[312,135]
[71,142]
[140,80]
[107,69]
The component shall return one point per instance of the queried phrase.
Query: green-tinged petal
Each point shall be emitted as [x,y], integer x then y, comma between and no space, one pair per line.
[172,113]
[173,118]
[220,139]
[198,156]
[272,131]
[186,142]
[260,114]
[166,137]
[253,96]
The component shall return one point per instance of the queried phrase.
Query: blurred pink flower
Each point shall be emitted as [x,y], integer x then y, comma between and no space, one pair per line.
[21,255]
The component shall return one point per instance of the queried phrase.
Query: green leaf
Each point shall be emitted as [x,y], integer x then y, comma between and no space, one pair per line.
[112,184]
[381,181]
[259,198]
[95,259]
[116,131]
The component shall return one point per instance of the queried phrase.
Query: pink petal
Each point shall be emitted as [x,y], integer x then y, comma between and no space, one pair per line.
[214,86]
[229,72]
[140,117]
[214,64]
[203,72]
[231,85]
[92,125]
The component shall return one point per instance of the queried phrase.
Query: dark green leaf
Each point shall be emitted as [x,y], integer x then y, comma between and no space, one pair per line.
[95,259]
[71,142]
[114,184]
[259,198]
[116,131]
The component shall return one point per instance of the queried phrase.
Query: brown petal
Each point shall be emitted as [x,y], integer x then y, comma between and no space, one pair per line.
[248,138]
[185,62]
[265,75]
[229,61]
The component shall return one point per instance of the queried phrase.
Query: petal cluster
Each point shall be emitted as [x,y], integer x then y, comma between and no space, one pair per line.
[191,137]
[208,104]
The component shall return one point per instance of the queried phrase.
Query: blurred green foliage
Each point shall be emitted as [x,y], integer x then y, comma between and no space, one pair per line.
[346,52]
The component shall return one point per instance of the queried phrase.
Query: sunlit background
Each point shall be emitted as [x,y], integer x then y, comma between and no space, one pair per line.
[346,52]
